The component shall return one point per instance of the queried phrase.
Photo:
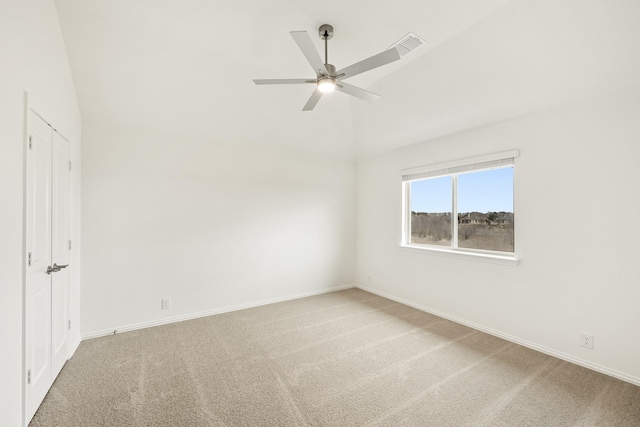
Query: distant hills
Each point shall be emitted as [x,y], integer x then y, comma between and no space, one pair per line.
[488,218]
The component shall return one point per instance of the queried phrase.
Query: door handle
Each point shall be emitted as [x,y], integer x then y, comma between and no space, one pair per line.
[56,268]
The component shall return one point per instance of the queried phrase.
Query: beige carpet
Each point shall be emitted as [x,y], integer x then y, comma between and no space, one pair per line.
[347,358]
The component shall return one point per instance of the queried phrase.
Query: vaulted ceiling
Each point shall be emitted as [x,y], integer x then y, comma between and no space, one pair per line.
[186,67]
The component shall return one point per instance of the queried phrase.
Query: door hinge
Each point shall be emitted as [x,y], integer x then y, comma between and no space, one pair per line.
[29,376]
[69,325]
[69,244]
[29,261]
[69,164]
[30,142]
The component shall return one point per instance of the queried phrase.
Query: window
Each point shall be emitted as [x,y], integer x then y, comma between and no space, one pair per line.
[462,206]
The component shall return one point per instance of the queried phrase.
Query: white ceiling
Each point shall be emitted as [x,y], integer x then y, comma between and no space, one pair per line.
[186,67]
[527,56]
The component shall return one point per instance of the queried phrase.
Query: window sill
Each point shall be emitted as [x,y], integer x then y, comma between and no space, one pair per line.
[461,254]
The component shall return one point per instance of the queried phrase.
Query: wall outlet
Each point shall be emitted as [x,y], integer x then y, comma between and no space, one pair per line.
[369,279]
[586,341]
[166,303]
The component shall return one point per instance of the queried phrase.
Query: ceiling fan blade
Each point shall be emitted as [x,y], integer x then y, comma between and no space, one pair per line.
[370,63]
[357,92]
[315,97]
[281,81]
[305,44]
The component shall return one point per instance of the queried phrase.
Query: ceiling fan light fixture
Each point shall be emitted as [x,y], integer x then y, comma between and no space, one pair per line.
[326,85]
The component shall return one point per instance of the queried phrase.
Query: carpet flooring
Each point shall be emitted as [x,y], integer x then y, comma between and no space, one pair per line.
[347,358]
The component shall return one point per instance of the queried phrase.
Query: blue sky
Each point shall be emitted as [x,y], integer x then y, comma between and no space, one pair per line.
[484,191]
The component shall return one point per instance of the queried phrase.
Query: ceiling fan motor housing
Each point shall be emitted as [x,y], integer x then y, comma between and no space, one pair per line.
[331,69]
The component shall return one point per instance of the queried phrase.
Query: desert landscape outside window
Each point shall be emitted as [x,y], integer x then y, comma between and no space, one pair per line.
[431,211]
[470,208]
[485,210]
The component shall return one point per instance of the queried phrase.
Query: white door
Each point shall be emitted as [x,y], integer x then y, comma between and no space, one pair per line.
[47,237]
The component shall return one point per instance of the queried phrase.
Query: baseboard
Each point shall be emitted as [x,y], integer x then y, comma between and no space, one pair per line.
[514,339]
[143,325]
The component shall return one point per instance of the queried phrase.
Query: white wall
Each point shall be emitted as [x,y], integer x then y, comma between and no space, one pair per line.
[577,233]
[207,224]
[33,58]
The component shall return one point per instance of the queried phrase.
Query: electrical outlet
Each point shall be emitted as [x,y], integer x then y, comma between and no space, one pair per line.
[369,279]
[166,303]
[586,341]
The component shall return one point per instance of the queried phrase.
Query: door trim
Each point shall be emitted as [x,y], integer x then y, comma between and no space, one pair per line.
[25,143]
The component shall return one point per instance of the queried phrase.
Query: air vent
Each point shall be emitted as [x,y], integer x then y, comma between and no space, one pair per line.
[408,44]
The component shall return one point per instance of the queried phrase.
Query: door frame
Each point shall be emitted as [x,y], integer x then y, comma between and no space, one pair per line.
[27,107]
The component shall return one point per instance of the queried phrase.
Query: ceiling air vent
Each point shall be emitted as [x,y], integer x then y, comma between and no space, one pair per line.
[408,44]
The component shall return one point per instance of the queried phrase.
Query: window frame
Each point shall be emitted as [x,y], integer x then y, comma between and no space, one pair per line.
[453,169]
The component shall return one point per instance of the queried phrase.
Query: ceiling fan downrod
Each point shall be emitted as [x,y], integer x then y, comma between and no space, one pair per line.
[326,33]
[326,49]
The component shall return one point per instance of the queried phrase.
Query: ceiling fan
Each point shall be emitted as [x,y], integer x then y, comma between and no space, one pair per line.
[327,78]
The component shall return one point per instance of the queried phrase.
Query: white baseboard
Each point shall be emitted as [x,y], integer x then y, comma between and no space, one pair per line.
[133,327]
[514,339]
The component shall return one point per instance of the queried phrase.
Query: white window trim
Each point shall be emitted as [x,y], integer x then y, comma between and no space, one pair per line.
[448,168]
[466,254]
[461,165]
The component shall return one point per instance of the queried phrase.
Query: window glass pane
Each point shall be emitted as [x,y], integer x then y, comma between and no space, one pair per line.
[485,210]
[431,211]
